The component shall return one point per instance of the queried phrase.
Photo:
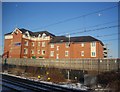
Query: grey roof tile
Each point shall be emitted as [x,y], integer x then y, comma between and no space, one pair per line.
[59,39]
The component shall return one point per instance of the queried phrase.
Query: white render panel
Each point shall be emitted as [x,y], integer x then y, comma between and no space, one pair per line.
[36,38]
[93,49]
[8,36]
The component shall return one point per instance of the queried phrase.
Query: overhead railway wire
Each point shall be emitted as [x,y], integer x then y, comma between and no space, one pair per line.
[85,28]
[97,29]
[74,18]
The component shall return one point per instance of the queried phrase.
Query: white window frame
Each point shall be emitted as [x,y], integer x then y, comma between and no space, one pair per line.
[25,51]
[82,44]
[57,47]
[26,43]
[93,44]
[57,56]
[32,51]
[44,35]
[24,56]
[51,53]
[67,44]
[38,51]
[43,44]
[93,54]
[82,53]
[52,45]
[42,52]
[33,44]
[38,43]
[66,53]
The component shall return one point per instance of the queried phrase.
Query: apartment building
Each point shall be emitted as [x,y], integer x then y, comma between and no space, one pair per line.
[22,43]
[76,47]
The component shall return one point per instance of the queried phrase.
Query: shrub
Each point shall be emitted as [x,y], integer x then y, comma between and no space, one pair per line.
[34,57]
[40,57]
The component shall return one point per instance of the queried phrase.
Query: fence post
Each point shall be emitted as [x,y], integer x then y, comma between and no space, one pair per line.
[118,62]
[98,66]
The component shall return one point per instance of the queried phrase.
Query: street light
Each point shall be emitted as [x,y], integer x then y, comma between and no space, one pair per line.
[68,73]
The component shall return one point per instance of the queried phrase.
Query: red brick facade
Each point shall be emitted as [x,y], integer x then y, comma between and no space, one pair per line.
[23,44]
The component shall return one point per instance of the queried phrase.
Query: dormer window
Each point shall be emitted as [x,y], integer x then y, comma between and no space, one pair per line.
[16,32]
[43,35]
[27,34]
[39,35]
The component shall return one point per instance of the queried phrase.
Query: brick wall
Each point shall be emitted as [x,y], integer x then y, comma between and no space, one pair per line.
[60,50]
[75,49]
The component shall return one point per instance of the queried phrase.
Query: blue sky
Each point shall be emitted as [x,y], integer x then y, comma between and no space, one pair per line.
[37,16]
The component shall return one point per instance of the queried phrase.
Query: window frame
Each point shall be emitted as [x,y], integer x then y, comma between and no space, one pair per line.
[52,46]
[43,51]
[51,53]
[57,47]
[66,53]
[38,52]
[82,44]
[67,44]
[32,51]
[93,44]
[26,43]
[93,54]
[33,44]
[43,44]
[25,51]
[39,43]
[82,53]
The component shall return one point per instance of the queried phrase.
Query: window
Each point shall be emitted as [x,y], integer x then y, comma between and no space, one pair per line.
[82,44]
[32,51]
[82,53]
[43,44]
[25,51]
[43,52]
[57,47]
[38,43]
[57,56]
[38,51]
[26,43]
[52,53]
[43,35]
[32,43]
[67,45]
[93,44]
[93,54]
[39,35]
[52,45]
[24,56]
[66,53]
[27,34]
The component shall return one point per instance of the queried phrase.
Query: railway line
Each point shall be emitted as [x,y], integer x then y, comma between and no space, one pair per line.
[16,84]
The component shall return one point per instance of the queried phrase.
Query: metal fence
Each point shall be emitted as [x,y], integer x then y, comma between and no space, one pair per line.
[75,64]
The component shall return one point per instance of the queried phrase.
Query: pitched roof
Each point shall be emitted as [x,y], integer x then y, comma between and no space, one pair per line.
[8,33]
[59,39]
[41,32]
[33,33]
[25,30]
